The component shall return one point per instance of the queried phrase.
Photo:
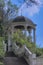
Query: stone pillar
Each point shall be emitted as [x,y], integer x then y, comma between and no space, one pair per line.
[12,29]
[25,30]
[4,46]
[32,59]
[9,42]
[34,35]
[30,35]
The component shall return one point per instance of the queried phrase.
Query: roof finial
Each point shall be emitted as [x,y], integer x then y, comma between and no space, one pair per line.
[21,11]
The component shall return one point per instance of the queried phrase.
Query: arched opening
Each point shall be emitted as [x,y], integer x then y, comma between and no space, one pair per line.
[19,27]
[29,27]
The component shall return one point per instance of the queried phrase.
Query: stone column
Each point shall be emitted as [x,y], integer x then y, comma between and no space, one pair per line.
[25,30]
[12,29]
[4,46]
[34,35]
[25,33]
[30,35]
[9,41]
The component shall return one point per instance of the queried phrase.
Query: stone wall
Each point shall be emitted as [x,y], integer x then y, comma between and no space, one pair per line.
[39,61]
[32,59]
[36,60]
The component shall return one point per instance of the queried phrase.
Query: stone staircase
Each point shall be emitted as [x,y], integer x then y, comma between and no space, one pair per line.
[11,59]
[19,56]
[25,53]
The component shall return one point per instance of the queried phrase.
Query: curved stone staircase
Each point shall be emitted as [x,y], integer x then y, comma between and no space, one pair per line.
[12,59]
[19,56]
[24,52]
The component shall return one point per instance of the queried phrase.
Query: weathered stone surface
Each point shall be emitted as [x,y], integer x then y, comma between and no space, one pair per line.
[39,61]
[14,61]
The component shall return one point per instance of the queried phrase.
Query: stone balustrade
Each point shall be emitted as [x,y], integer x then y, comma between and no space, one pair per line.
[18,50]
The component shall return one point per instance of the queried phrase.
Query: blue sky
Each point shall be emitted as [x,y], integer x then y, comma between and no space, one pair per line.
[38,19]
[35,13]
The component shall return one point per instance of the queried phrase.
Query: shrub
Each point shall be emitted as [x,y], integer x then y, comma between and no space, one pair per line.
[23,39]
[1,47]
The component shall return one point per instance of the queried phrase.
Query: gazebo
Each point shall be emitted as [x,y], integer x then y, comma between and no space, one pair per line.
[23,23]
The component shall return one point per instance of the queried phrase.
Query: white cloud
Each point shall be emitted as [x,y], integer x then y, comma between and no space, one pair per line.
[31,10]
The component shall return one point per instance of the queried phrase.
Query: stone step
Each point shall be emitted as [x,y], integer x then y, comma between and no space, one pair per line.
[10,54]
[11,59]
[14,61]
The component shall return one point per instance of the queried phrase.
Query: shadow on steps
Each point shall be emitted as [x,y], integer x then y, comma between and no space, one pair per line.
[10,54]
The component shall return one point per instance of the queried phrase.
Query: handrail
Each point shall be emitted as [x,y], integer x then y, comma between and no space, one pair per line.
[20,49]
[28,50]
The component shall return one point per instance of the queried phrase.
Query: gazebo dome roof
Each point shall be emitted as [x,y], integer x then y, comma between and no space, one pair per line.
[23,19]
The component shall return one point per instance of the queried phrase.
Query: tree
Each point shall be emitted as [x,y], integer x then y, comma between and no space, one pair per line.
[1,16]
[4,14]
[9,10]
[13,8]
